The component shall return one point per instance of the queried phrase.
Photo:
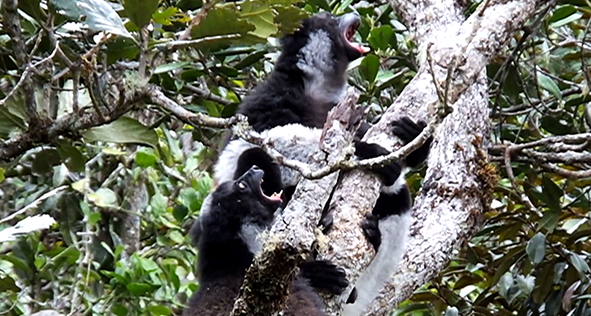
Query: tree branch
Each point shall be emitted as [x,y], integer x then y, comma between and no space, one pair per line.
[459,181]
[12,26]
[290,240]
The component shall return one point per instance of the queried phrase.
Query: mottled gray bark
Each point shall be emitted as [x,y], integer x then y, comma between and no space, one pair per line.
[458,184]
[136,200]
[291,238]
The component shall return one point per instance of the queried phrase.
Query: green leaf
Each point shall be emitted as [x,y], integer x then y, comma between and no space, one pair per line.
[260,15]
[549,85]
[171,66]
[94,218]
[140,11]
[2,177]
[145,157]
[510,258]
[210,26]
[562,12]
[381,37]
[552,194]
[120,310]
[32,8]
[369,67]
[189,198]
[121,48]
[12,117]
[138,289]
[124,130]
[159,310]
[158,203]
[7,284]
[70,155]
[571,18]
[164,17]
[103,197]
[97,14]
[536,248]
[580,264]
[177,237]
[289,19]
[44,161]
[180,212]
[148,264]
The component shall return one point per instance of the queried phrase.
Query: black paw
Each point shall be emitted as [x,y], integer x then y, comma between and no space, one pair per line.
[326,222]
[363,128]
[324,276]
[407,130]
[388,173]
[352,297]
[371,229]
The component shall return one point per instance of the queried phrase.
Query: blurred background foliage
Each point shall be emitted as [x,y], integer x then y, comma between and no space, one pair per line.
[125,193]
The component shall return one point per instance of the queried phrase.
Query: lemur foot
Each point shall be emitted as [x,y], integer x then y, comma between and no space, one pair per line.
[371,229]
[325,276]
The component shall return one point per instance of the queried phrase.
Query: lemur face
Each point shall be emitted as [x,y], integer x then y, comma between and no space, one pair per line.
[244,201]
[324,44]
[341,31]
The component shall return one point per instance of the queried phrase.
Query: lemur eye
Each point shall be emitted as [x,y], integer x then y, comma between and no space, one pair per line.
[241,185]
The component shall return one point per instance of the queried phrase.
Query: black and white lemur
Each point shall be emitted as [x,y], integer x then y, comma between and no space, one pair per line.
[224,254]
[290,109]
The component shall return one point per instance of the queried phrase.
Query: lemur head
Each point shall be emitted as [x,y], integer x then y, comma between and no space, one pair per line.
[242,202]
[322,49]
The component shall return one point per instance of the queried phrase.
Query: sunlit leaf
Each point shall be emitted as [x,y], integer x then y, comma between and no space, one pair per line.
[124,130]
[140,11]
[97,14]
[536,248]
[103,197]
[369,67]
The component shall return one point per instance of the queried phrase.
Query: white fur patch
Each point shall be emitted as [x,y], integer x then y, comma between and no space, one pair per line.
[316,62]
[226,165]
[398,184]
[294,141]
[205,205]
[249,233]
[394,237]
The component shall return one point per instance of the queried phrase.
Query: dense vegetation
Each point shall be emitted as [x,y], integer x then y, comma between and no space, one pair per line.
[126,177]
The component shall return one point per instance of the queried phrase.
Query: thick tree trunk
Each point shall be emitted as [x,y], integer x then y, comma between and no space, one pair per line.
[290,240]
[459,182]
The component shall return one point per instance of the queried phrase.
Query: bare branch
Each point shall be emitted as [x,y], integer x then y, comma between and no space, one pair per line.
[195,119]
[12,26]
[206,94]
[174,45]
[34,204]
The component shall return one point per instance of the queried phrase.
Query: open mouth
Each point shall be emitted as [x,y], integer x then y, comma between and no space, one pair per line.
[254,177]
[275,197]
[349,24]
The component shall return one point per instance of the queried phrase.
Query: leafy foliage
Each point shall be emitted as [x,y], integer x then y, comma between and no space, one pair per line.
[136,182]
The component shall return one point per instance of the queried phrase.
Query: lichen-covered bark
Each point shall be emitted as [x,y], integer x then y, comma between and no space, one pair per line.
[458,181]
[290,240]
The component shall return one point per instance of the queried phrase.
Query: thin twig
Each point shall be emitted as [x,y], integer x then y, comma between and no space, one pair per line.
[207,94]
[34,203]
[25,76]
[174,45]
[197,19]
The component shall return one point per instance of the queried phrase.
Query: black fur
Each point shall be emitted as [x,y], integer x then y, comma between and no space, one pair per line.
[282,98]
[299,93]
[224,256]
